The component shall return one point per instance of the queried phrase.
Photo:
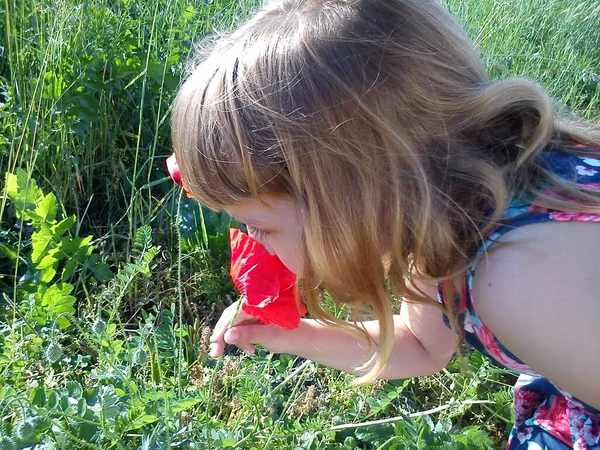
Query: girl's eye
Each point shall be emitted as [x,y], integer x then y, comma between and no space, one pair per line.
[255,232]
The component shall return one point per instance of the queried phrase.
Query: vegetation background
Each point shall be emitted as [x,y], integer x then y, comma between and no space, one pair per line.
[110,278]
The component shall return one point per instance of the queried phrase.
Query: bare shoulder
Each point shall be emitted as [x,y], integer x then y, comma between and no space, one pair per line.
[540,296]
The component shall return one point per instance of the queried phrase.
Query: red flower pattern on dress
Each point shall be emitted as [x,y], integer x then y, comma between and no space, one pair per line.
[561,216]
[488,341]
[585,428]
[524,404]
[552,416]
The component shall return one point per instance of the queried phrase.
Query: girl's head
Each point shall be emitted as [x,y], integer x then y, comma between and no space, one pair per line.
[373,123]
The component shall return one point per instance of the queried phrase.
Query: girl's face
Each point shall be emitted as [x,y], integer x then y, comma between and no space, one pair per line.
[277,226]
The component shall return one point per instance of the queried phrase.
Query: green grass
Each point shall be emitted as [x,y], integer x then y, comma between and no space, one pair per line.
[555,42]
[104,346]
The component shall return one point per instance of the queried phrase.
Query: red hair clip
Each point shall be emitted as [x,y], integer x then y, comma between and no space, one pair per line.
[269,288]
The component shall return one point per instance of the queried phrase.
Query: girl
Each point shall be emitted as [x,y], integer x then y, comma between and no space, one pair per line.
[363,144]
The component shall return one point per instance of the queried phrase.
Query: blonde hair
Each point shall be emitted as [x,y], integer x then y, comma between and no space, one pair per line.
[377,117]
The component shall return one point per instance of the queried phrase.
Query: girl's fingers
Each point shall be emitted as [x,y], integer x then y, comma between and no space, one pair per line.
[248,348]
[223,323]
[245,336]
[216,349]
[222,334]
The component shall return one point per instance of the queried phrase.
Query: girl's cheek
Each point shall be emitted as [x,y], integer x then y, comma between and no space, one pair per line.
[291,260]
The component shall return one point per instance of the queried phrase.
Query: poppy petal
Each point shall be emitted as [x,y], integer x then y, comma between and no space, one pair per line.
[268,287]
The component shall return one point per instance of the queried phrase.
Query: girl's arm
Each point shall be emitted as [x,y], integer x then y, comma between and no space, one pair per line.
[423,344]
[337,348]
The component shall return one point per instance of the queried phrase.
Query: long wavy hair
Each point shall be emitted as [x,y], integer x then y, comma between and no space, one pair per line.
[377,117]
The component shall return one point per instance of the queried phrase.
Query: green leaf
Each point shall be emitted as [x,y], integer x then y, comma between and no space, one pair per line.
[75,390]
[57,301]
[10,252]
[143,239]
[108,402]
[47,275]
[37,397]
[70,246]
[185,404]
[81,407]
[123,278]
[375,433]
[10,185]
[24,192]
[63,323]
[139,422]
[46,209]
[48,261]
[102,272]
[41,241]
[61,227]
[69,269]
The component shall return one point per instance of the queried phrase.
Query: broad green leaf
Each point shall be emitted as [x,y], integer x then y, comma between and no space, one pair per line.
[48,261]
[75,390]
[53,400]
[37,396]
[10,185]
[47,275]
[102,272]
[70,246]
[61,227]
[41,241]
[46,209]
[70,267]
[57,301]
[23,191]
[375,433]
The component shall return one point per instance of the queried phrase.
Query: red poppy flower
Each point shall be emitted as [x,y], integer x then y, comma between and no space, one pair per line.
[173,169]
[269,288]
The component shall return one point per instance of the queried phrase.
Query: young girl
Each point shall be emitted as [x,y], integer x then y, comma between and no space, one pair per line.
[363,144]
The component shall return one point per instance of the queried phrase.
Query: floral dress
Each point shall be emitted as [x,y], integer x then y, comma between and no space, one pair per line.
[546,417]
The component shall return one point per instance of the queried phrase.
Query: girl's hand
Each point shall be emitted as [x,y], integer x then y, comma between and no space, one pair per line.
[223,334]
[246,331]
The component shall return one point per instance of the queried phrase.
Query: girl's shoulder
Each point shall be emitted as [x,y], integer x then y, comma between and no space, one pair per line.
[538,296]
[533,299]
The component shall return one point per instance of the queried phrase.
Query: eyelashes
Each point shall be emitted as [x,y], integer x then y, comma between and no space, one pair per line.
[255,232]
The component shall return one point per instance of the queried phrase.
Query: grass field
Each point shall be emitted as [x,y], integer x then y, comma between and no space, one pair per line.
[110,278]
